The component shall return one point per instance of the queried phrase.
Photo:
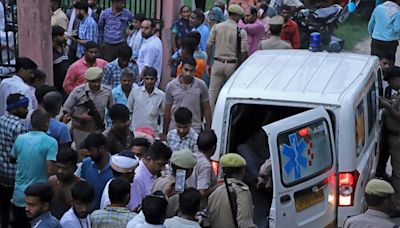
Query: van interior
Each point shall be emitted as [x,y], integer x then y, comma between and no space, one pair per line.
[247,138]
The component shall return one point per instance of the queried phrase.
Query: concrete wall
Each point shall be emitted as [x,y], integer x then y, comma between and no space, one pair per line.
[34,34]
[170,13]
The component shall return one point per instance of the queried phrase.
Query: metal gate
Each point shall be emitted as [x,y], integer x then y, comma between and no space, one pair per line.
[8,37]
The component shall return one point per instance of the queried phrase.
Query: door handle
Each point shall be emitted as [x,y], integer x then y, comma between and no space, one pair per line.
[285,198]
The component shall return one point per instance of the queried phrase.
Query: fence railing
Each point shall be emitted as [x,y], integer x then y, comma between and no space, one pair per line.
[8,37]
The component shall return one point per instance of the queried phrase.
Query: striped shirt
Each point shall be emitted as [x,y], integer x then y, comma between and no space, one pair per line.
[112,26]
[88,30]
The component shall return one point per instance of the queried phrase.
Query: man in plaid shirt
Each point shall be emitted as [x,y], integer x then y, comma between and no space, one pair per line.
[115,214]
[183,136]
[11,125]
[88,29]
[112,71]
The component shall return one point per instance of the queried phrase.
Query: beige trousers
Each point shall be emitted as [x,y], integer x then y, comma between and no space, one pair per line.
[220,72]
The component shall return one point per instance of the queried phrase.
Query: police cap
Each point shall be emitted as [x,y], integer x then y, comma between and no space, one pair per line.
[232,160]
[379,188]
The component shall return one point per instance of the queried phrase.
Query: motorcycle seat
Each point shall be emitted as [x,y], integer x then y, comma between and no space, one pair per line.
[327,12]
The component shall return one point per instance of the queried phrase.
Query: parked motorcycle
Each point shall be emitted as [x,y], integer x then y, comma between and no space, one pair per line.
[323,20]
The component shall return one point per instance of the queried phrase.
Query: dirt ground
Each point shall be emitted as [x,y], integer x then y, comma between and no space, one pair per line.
[364,47]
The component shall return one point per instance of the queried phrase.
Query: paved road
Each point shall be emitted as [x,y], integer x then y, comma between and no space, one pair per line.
[364,47]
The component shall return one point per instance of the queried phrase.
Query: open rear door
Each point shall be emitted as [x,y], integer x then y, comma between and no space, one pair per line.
[304,165]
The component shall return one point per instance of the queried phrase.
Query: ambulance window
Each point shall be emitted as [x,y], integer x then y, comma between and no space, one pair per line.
[304,152]
[360,127]
[372,108]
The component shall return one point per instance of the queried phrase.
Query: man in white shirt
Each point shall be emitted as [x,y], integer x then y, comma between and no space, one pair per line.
[189,204]
[78,216]
[150,54]
[146,103]
[124,165]
[19,83]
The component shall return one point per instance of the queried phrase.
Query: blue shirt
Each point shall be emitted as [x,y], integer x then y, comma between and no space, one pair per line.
[59,131]
[32,151]
[112,26]
[88,30]
[45,220]
[112,73]
[97,178]
[384,24]
[204,32]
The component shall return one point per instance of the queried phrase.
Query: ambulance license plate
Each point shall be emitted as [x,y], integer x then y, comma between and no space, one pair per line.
[308,199]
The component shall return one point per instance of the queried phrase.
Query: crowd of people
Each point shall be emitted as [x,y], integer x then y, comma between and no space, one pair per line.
[106,146]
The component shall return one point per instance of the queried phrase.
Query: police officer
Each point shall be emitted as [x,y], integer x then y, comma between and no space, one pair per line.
[86,105]
[391,120]
[228,51]
[274,41]
[377,194]
[180,160]
[222,206]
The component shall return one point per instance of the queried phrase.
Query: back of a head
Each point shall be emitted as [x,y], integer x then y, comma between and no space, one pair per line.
[124,51]
[40,119]
[41,190]
[43,90]
[57,31]
[67,156]
[119,112]
[189,201]
[194,35]
[154,208]
[83,192]
[25,63]
[158,151]
[285,7]
[52,102]
[207,140]
[183,116]
[95,140]
[189,44]
[119,191]
[275,29]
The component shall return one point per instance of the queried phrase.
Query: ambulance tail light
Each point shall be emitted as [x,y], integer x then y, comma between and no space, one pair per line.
[215,166]
[347,187]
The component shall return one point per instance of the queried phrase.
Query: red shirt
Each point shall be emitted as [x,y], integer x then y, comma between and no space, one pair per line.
[76,73]
[290,32]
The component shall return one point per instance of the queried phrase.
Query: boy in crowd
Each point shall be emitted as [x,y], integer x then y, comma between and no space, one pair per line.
[78,215]
[38,200]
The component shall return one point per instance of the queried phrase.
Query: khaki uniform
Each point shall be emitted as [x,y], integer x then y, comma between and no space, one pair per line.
[220,213]
[102,99]
[370,219]
[274,42]
[173,201]
[393,128]
[223,38]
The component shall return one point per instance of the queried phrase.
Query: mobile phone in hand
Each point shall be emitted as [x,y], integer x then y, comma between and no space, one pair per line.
[180,178]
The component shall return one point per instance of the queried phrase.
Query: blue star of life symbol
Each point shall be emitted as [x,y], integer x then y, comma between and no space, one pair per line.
[295,154]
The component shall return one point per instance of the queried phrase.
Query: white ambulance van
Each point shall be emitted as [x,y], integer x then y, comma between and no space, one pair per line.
[315,116]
